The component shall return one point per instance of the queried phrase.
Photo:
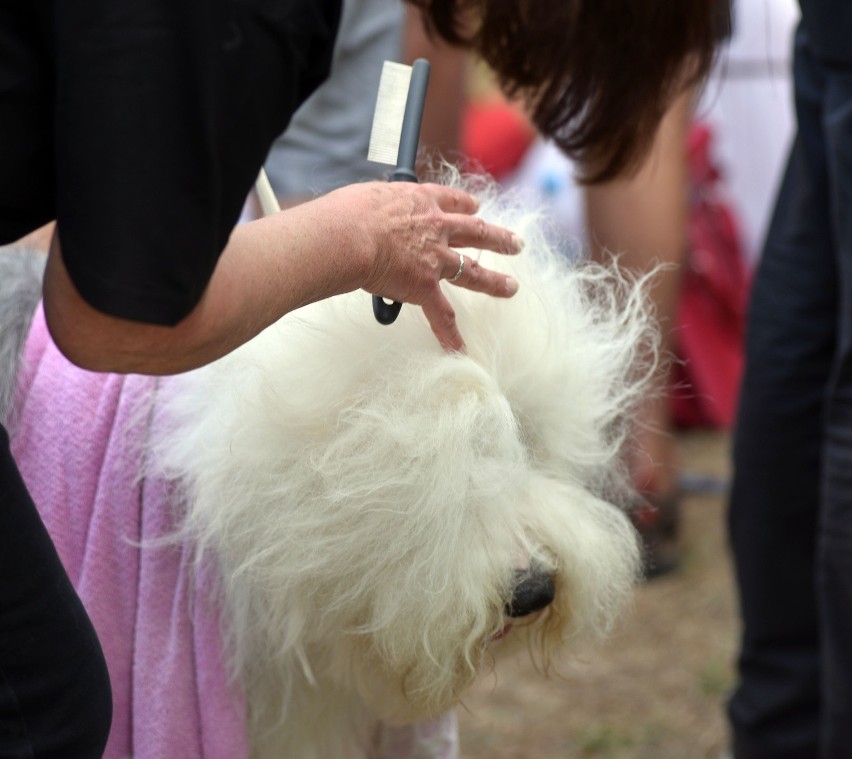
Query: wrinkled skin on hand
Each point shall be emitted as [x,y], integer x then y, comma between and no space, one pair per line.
[410,231]
[395,240]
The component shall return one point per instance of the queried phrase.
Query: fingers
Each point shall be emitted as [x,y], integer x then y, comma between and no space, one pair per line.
[472,276]
[452,200]
[474,232]
[442,319]
[422,226]
[462,263]
[464,230]
[440,314]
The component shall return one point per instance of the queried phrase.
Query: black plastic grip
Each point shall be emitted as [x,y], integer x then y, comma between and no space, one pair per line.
[385,312]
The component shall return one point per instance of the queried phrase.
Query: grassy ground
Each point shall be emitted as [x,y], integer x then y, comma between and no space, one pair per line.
[656,690]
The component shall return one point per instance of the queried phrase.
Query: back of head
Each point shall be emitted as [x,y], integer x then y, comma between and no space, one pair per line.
[596,75]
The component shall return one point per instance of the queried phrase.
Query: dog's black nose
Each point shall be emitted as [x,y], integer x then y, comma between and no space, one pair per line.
[534,590]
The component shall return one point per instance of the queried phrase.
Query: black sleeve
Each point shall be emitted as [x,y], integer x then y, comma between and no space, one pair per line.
[26,123]
[164,113]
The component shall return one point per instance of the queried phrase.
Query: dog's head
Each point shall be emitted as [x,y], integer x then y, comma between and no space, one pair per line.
[386,513]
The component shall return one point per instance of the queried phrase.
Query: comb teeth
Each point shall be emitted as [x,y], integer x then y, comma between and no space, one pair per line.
[389,113]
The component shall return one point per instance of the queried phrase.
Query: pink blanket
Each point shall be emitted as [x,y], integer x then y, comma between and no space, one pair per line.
[78,441]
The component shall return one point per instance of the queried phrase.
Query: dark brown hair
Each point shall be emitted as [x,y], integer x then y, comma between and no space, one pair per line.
[596,75]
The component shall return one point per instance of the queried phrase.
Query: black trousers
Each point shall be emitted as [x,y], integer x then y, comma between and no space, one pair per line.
[790,515]
[55,698]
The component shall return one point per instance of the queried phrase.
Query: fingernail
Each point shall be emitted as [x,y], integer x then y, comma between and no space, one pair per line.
[476,202]
[517,243]
[511,285]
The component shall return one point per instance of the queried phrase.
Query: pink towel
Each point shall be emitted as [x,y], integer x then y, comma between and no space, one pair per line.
[78,442]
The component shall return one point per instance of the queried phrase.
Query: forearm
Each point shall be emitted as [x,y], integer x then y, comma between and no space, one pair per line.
[396,240]
[269,268]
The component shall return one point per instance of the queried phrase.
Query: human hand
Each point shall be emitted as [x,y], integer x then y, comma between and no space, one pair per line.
[409,231]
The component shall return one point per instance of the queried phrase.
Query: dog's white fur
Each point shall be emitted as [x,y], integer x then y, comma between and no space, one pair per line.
[21,270]
[367,495]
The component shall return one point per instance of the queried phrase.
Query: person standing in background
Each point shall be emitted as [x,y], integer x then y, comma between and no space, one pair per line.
[325,145]
[790,512]
[643,220]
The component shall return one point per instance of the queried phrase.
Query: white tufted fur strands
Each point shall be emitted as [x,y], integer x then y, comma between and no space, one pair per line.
[369,496]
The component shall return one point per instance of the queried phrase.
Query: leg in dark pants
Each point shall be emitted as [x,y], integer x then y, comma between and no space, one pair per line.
[55,698]
[834,548]
[775,710]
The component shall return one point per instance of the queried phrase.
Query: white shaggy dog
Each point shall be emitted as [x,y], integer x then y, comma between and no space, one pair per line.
[386,516]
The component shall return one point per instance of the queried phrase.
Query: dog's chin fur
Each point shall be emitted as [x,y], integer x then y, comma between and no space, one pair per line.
[368,495]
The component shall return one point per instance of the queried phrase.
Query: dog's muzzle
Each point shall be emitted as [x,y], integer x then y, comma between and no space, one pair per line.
[534,590]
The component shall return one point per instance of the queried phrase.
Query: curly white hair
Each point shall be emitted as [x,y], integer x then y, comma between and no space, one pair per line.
[387,515]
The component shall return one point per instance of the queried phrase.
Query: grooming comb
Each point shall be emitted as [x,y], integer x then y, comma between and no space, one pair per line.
[396,134]
[394,139]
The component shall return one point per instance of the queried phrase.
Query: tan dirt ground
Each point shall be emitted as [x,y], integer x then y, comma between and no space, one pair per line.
[657,689]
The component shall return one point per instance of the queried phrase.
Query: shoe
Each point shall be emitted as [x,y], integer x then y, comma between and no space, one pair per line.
[657,519]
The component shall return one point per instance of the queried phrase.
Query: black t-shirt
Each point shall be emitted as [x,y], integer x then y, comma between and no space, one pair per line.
[140,125]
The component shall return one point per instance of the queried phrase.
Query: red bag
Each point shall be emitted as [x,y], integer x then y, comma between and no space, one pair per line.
[710,321]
